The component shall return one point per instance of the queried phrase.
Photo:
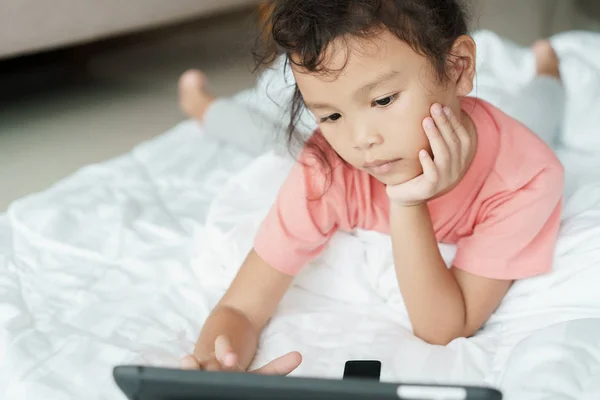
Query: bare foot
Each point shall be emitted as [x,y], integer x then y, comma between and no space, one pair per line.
[546,59]
[194,99]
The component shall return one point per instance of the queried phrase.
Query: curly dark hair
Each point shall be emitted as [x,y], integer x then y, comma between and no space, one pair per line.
[305,28]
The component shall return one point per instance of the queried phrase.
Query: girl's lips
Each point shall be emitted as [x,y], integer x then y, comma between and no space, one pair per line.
[381,167]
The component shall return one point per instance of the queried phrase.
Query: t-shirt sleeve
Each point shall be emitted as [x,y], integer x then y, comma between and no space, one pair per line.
[517,236]
[301,222]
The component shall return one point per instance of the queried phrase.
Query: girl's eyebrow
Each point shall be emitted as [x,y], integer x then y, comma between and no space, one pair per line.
[376,82]
[317,106]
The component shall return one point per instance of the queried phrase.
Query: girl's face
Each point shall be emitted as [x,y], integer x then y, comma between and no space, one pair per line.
[371,112]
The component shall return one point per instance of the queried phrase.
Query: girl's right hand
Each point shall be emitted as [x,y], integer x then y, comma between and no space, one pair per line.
[224,359]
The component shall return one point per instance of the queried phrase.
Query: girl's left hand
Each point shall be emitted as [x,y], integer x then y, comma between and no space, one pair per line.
[450,143]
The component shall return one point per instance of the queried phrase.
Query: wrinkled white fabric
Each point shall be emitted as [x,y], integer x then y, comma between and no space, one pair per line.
[122,262]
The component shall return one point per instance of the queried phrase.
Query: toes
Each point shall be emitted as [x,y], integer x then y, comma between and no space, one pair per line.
[192,79]
[194,99]
[546,58]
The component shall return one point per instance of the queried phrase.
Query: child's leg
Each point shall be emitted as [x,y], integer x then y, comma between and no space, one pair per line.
[230,121]
[539,105]
[242,127]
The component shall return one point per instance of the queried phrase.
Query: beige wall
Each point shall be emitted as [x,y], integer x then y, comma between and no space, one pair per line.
[32,25]
[527,20]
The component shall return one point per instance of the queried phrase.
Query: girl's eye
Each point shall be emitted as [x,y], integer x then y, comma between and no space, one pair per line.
[386,101]
[332,117]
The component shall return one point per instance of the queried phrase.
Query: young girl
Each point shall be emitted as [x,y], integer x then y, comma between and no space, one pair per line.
[401,150]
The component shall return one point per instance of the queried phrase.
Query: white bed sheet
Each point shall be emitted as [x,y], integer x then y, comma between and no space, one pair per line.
[93,260]
[122,262]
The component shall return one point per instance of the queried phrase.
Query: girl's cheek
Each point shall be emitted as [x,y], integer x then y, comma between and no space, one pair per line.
[419,139]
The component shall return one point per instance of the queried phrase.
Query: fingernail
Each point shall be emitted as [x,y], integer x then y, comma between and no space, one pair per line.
[437,109]
[429,123]
[229,360]
[423,154]
[447,111]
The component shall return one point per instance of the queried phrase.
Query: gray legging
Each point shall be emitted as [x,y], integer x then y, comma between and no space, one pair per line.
[255,120]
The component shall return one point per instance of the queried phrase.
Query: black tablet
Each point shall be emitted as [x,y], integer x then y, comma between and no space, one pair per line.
[150,383]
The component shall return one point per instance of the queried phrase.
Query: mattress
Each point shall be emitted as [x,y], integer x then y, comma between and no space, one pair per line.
[122,262]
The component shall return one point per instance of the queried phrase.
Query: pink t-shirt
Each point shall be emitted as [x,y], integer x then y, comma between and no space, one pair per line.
[503,215]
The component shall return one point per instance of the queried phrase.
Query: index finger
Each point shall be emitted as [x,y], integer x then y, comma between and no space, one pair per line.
[439,147]
[282,365]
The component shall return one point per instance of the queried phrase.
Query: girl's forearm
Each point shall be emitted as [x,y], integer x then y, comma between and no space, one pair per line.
[432,295]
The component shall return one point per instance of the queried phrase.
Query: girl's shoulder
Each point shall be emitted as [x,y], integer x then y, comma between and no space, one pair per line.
[332,187]
[325,173]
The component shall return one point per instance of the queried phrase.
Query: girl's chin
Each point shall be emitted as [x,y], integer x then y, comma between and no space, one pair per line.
[397,178]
